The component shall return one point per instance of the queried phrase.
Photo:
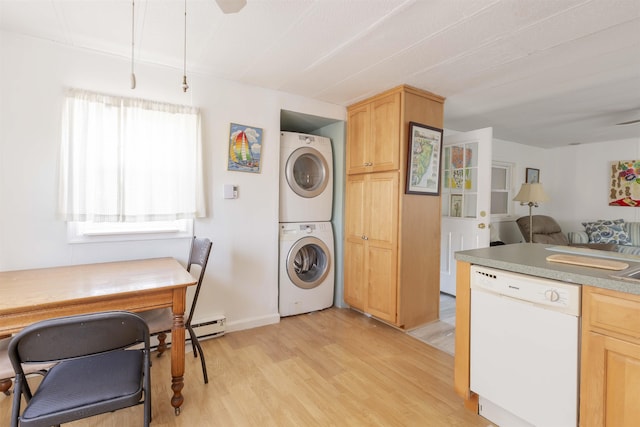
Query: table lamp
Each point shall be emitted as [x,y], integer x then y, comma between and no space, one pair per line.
[531,194]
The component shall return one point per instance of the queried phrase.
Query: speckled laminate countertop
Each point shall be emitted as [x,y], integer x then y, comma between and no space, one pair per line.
[531,259]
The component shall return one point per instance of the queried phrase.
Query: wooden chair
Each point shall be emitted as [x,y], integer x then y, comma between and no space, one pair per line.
[96,371]
[160,320]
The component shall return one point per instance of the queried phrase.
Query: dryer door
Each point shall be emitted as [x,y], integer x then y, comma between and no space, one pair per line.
[308,262]
[307,172]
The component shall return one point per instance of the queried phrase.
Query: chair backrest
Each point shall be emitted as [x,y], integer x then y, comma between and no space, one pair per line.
[199,254]
[77,336]
[545,230]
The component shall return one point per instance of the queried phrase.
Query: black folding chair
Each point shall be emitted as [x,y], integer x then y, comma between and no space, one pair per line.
[160,320]
[6,370]
[97,370]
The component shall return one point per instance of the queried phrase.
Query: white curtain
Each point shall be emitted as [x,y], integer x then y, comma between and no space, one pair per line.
[129,160]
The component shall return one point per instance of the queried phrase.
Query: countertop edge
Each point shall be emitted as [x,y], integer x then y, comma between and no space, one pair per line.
[530,259]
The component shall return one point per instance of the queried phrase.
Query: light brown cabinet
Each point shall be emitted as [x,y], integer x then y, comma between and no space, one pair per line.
[392,239]
[374,128]
[371,236]
[610,358]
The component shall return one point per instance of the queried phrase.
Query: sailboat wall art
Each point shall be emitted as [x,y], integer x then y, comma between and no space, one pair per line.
[245,146]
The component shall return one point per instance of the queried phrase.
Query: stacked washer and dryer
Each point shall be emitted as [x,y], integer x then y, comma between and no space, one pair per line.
[306,279]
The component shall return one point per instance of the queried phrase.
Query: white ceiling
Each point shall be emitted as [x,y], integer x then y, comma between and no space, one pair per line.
[541,72]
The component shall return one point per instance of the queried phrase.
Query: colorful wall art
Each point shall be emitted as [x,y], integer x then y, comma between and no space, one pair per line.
[423,169]
[458,163]
[245,146]
[625,183]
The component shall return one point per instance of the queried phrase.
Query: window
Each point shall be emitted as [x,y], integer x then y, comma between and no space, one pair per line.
[501,188]
[460,180]
[129,161]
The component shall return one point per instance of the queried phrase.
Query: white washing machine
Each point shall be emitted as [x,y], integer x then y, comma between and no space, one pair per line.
[306,178]
[306,267]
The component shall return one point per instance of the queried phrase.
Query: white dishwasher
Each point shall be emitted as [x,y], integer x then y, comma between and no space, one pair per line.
[524,348]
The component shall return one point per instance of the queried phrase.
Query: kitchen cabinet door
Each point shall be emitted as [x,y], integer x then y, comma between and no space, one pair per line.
[371,243]
[358,136]
[610,358]
[373,141]
[610,382]
[382,242]
[354,261]
[384,147]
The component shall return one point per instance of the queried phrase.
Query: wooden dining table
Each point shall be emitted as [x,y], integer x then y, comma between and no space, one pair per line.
[28,296]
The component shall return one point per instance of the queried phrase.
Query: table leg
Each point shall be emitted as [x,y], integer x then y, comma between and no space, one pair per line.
[5,385]
[177,348]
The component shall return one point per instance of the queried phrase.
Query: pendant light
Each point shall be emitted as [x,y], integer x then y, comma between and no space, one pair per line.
[185,86]
[133,20]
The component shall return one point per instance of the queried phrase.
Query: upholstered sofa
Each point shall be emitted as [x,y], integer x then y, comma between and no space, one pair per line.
[622,236]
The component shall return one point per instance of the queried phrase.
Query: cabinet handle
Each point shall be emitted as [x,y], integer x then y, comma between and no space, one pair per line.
[368,164]
[363,237]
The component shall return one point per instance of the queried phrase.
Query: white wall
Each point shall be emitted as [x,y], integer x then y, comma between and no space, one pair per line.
[242,276]
[580,181]
[576,179]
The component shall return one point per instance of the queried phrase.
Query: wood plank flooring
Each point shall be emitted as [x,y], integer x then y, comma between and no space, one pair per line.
[336,367]
[441,333]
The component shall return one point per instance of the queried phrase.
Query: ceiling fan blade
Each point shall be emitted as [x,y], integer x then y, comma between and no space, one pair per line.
[231,6]
[630,122]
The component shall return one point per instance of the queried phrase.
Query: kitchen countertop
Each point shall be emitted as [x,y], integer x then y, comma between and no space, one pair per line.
[530,259]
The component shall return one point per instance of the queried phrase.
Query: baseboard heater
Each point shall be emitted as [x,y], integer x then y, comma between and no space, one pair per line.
[204,330]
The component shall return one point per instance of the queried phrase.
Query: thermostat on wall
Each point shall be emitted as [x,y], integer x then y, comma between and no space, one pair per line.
[230,191]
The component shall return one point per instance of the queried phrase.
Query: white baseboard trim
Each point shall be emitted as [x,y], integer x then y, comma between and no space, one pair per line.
[252,322]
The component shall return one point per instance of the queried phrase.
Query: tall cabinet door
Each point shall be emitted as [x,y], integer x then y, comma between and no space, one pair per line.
[358,136]
[354,251]
[384,149]
[373,142]
[382,245]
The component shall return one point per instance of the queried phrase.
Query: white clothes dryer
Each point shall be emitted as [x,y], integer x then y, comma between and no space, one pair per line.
[306,178]
[306,267]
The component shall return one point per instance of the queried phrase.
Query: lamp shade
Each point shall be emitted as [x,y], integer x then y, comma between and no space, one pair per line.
[531,193]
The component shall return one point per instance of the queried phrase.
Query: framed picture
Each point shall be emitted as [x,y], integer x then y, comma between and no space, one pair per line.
[533,176]
[245,147]
[624,188]
[423,160]
[455,205]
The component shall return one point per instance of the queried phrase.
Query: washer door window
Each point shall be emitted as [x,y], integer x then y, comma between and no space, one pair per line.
[307,172]
[308,262]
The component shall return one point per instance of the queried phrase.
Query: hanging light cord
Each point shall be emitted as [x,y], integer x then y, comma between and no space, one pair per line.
[185,86]
[133,20]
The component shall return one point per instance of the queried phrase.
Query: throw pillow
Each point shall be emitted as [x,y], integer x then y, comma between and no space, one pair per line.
[607,231]
[604,222]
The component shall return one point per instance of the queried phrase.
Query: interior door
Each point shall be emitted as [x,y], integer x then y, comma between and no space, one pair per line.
[466,199]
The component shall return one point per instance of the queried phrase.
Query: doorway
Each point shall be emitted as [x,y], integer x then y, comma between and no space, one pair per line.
[441,333]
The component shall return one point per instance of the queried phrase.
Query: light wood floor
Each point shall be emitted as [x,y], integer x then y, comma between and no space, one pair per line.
[330,368]
[440,334]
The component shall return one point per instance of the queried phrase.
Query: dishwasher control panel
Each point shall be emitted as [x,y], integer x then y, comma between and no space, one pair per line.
[553,294]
